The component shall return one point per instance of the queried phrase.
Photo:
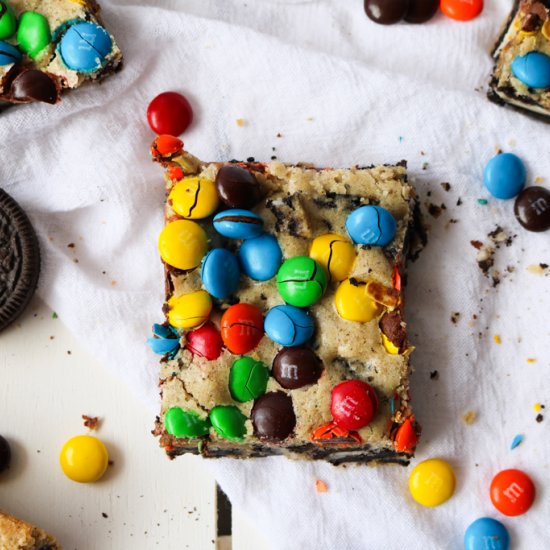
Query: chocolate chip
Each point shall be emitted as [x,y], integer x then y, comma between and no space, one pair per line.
[296,367]
[34,85]
[421,11]
[386,12]
[237,187]
[5,454]
[532,209]
[273,416]
[393,327]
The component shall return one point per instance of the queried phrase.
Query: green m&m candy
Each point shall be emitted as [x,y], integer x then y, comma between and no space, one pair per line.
[185,423]
[301,281]
[228,421]
[33,33]
[247,379]
[8,23]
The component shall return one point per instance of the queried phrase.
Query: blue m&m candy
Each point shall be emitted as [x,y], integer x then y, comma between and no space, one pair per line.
[485,533]
[261,257]
[372,225]
[288,325]
[220,273]
[85,46]
[533,69]
[238,224]
[504,176]
[8,54]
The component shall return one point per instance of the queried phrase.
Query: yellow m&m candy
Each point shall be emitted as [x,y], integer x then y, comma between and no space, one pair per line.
[194,198]
[190,310]
[335,253]
[84,458]
[354,303]
[182,244]
[432,482]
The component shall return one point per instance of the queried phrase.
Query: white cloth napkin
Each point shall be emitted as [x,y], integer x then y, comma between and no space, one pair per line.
[340,90]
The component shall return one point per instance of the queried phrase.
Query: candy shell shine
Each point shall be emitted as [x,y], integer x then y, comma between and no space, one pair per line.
[486,533]
[261,257]
[182,244]
[247,379]
[504,176]
[301,281]
[189,310]
[432,482]
[33,34]
[288,325]
[335,253]
[8,22]
[533,69]
[85,46]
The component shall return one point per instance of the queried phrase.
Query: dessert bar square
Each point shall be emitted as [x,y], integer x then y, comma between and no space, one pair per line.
[284,330]
[48,46]
[521,77]
[16,534]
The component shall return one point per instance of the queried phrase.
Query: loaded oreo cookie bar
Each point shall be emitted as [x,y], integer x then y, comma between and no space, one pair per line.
[284,330]
[521,77]
[47,46]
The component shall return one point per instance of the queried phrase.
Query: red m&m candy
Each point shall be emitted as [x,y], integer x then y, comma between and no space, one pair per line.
[512,492]
[169,113]
[462,10]
[205,342]
[242,328]
[354,404]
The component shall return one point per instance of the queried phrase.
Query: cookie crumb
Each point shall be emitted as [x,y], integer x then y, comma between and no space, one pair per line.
[71,245]
[516,441]
[321,486]
[537,269]
[240,122]
[434,375]
[455,317]
[469,417]
[531,360]
[54,315]
[539,180]
[90,422]
[446,185]
[537,407]
[103,514]
[497,339]
[539,418]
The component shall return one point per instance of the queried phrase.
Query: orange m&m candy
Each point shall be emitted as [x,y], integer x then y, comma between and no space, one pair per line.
[462,10]
[512,492]
[242,328]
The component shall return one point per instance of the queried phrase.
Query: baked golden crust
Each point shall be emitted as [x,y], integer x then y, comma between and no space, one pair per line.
[16,534]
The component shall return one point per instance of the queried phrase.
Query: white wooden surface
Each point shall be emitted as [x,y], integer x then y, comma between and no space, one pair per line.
[46,383]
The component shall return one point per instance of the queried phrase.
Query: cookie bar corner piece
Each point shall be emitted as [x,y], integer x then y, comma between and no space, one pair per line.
[51,46]
[284,330]
[521,76]
[16,534]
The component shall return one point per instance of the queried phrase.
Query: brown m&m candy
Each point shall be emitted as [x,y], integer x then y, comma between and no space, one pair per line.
[237,187]
[386,12]
[421,11]
[532,209]
[33,85]
[273,416]
[295,368]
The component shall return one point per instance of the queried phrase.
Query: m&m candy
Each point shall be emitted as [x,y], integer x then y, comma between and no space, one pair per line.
[247,379]
[432,482]
[301,281]
[486,534]
[335,253]
[273,416]
[8,22]
[220,273]
[260,258]
[296,367]
[194,198]
[239,224]
[354,404]
[289,325]
[462,10]
[533,69]
[169,113]
[182,244]
[33,34]
[189,310]
[512,492]
[354,303]
[84,458]
[237,187]
[85,46]
[229,422]
[5,454]
[185,423]
[9,54]
[242,328]
[205,341]
[504,176]
[372,225]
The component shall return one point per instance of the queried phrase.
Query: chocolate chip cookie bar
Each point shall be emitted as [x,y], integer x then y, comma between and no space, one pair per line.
[16,534]
[521,77]
[48,46]
[284,330]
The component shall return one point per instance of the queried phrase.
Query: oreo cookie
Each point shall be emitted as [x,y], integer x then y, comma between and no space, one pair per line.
[19,260]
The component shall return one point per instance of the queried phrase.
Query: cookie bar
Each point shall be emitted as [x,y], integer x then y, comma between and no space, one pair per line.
[284,329]
[16,534]
[48,46]
[521,77]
